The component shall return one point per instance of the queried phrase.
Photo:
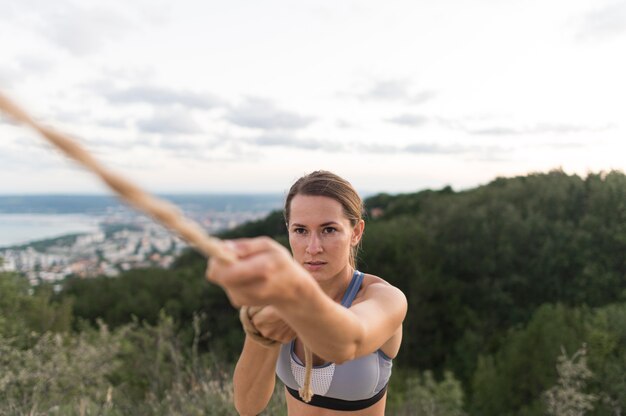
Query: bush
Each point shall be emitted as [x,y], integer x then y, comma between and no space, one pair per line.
[135,369]
[424,396]
[60,373]
[567,397]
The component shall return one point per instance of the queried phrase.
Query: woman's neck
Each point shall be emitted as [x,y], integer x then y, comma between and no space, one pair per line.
[336,287]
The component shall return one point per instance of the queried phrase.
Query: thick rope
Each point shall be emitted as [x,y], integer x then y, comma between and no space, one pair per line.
[306,392]
[245,316]
[161,211]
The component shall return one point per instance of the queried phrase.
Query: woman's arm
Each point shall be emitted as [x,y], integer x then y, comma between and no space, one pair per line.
[339,334]
[267,274]
[254,377]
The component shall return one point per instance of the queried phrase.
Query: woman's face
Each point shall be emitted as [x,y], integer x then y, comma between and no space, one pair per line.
[320,235]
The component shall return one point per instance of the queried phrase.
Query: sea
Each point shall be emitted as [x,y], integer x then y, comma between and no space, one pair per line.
[17,229]
[28,218]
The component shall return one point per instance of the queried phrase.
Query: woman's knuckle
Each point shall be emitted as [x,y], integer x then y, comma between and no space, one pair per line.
[271,266]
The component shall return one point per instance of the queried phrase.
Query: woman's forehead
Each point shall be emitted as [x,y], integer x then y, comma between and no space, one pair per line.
[315,209]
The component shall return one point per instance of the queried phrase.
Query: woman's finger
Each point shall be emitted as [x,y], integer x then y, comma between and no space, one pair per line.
[242,248]
[258,267]
[215,270]
[245,247]
[263,273]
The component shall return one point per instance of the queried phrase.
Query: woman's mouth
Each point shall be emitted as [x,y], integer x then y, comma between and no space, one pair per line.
[313,265]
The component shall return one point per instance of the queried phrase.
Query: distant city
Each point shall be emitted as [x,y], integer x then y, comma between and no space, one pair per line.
[122,239]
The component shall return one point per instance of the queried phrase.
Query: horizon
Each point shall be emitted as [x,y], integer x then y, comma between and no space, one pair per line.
[364,193]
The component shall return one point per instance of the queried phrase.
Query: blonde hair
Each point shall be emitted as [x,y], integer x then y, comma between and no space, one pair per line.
[324,183]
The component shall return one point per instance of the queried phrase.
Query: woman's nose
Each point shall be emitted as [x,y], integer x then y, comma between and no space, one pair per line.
[314,245]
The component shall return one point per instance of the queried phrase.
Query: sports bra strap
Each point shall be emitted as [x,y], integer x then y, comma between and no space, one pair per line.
[353,288]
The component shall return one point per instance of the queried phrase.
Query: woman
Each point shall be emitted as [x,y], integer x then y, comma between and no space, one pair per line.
[352,322]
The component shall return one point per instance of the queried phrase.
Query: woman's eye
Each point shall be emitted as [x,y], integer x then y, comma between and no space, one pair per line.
[299,230]
[329,230]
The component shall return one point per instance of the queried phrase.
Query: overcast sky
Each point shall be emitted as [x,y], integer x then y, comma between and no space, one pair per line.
[246,96]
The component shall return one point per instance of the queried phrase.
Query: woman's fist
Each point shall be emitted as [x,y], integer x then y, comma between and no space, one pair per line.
[268,322]
[265,273]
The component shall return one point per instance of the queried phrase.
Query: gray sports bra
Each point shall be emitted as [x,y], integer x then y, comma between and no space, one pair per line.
[358,380]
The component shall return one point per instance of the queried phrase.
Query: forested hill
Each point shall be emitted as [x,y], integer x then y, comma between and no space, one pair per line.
[481,268]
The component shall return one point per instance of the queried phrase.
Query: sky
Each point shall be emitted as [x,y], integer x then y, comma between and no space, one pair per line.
[246,96]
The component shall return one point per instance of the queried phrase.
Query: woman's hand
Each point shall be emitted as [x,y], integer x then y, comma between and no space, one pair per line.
[269,323]
[265,273]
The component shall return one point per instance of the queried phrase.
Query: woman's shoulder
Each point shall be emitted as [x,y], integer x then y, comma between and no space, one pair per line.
[373,281]
[383,296]
[376,286]
[369,279]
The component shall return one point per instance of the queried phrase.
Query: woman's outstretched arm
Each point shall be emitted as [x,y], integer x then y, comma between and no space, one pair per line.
[267,274]
[339,334]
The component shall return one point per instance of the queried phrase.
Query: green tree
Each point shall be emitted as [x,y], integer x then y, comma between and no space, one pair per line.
[511,381]
[24,309]
[606,353]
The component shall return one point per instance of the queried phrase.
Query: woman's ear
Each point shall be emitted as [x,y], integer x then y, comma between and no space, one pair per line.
[357,232]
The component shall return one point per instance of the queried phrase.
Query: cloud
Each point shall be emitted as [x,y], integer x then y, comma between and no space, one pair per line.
[158,96]
[540,128]
[603,23]
[169,122]
[495,131]
[388,90]
[470,125]
[421,148]
[375,148]
[263,114]
[411,120]
[9,75]
[430,148]
[22,67]
[113,123]
[108,149]
[397,90]
[563,145]
[206,149]
[73,116]
[297,143]
[28,154]
[82,30]
[343,124]
[84,27]
[197,147]
[178,143]
[8,121]
[416,148]
[423,96]
[85,115]
[34,64]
